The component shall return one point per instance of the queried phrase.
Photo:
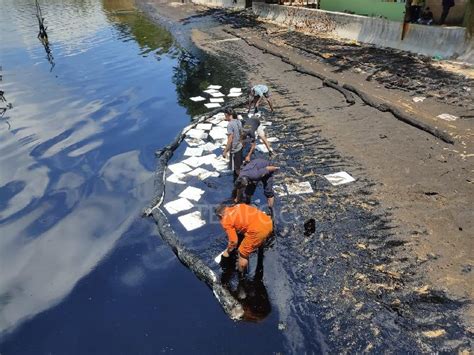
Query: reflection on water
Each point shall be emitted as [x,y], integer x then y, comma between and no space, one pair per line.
[149,37]
[77,165]
[250,290]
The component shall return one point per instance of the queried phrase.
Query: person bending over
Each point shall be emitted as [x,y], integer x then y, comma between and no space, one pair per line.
[256,94]
[251,127]
[257,170]
[255,226]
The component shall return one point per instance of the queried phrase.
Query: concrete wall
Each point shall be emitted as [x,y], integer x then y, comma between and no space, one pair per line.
[238,4]
[447,42]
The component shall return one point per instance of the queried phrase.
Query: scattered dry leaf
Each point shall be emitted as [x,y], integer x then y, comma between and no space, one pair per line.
[393,274]
[424,290]
[434,333]
[379,267]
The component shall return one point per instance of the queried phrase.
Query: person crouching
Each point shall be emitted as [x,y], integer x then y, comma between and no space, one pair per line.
[255,226]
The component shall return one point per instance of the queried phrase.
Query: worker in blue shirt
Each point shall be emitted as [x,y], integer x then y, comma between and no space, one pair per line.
[257,170]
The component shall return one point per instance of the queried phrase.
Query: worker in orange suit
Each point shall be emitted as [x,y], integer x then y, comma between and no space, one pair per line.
[255,226]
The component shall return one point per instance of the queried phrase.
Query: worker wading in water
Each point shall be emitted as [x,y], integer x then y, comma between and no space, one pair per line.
[254,226]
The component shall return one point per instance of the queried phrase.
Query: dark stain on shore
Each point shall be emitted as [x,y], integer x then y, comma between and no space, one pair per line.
[348,275]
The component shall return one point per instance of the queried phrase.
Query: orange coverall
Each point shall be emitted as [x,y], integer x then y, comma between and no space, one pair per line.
[253,223]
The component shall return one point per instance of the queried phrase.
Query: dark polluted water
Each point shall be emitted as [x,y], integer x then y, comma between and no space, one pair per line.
[81,272]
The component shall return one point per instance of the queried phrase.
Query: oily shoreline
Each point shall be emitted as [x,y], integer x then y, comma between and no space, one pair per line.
[398,280]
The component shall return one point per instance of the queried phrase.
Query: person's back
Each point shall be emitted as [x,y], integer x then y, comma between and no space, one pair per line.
[234,127]
[255,169]
[249,127]
[245,218]
[260,89]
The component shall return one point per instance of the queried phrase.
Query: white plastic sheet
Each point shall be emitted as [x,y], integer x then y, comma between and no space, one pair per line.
[196,134]
[234,94]
[202,173]
[209,147]
[215,120]
[192,221]
[339,178]
[218,133]
[214,87]
[220,164]
[176,179]
[193,152]
[179,168]
[218,258]
[447,117]
[178,205]
[204,126]
[217,94]
[193,142]
[192,193]
[235,90]
[212,105]
[299,188]
[210,91]
[193,162]
[262,148]
[273,139]
[197,98]
[207,159]
[219,99]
